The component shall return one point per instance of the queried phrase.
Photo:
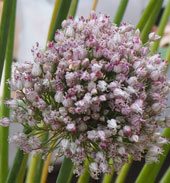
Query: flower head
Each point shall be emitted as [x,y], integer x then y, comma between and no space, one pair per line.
[96,91]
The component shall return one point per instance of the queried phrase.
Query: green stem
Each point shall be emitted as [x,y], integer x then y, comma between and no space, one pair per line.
[94,5]
[4,154]
[6,92]
[4,30]
[65,172]
[31,171]
[61,15]
[168,55]
[168,58]
[84,178]
[123,172]
[21,174]
[108,177]
[150,171]
[147,12]
[151,21]
[15,167]
[120,12]
[14,171]
[45,168]
[39,168]
[35,169]
[166,177]
[161,27]
[36,166]
[56,6]
[73,8]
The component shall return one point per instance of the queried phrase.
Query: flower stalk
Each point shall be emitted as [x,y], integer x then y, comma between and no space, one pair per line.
[53,19]
[94,5]
[36,165]
[147,12]
[15,167]
[166,177]
[4,30]
[85,176]
[73,8]
[17,163]
[162,26]
[4,111]
[120,12]
[61,15]
[168,58]
[108,177]
[35,169]
[123,172]
[45,169]
[151,21]
[65,172]
[22,171]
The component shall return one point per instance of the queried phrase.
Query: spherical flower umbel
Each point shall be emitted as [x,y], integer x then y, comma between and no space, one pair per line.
[98,93]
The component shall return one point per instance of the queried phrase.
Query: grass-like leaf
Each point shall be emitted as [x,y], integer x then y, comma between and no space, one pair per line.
[161,28]
[147,12]
[120,12]
[65,172]
[124,171]
[151,21]
[4,30]
[16,166]
[85,176]
[107,178]
[4,112]
[22,170]
[61,15]
[53,19]
[73,8]
[45,168]
[166,177]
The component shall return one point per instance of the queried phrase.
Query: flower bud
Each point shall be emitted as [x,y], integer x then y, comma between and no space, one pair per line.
[36,69]
[112,124]
[134,138]
[71,127]
[156,107]
[127,130]
[4,122]
[153,36]
[69,31]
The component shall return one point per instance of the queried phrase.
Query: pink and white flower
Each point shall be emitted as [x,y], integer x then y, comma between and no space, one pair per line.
[97,92]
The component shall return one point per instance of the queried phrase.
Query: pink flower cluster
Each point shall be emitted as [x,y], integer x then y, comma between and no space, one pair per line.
[98,93]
